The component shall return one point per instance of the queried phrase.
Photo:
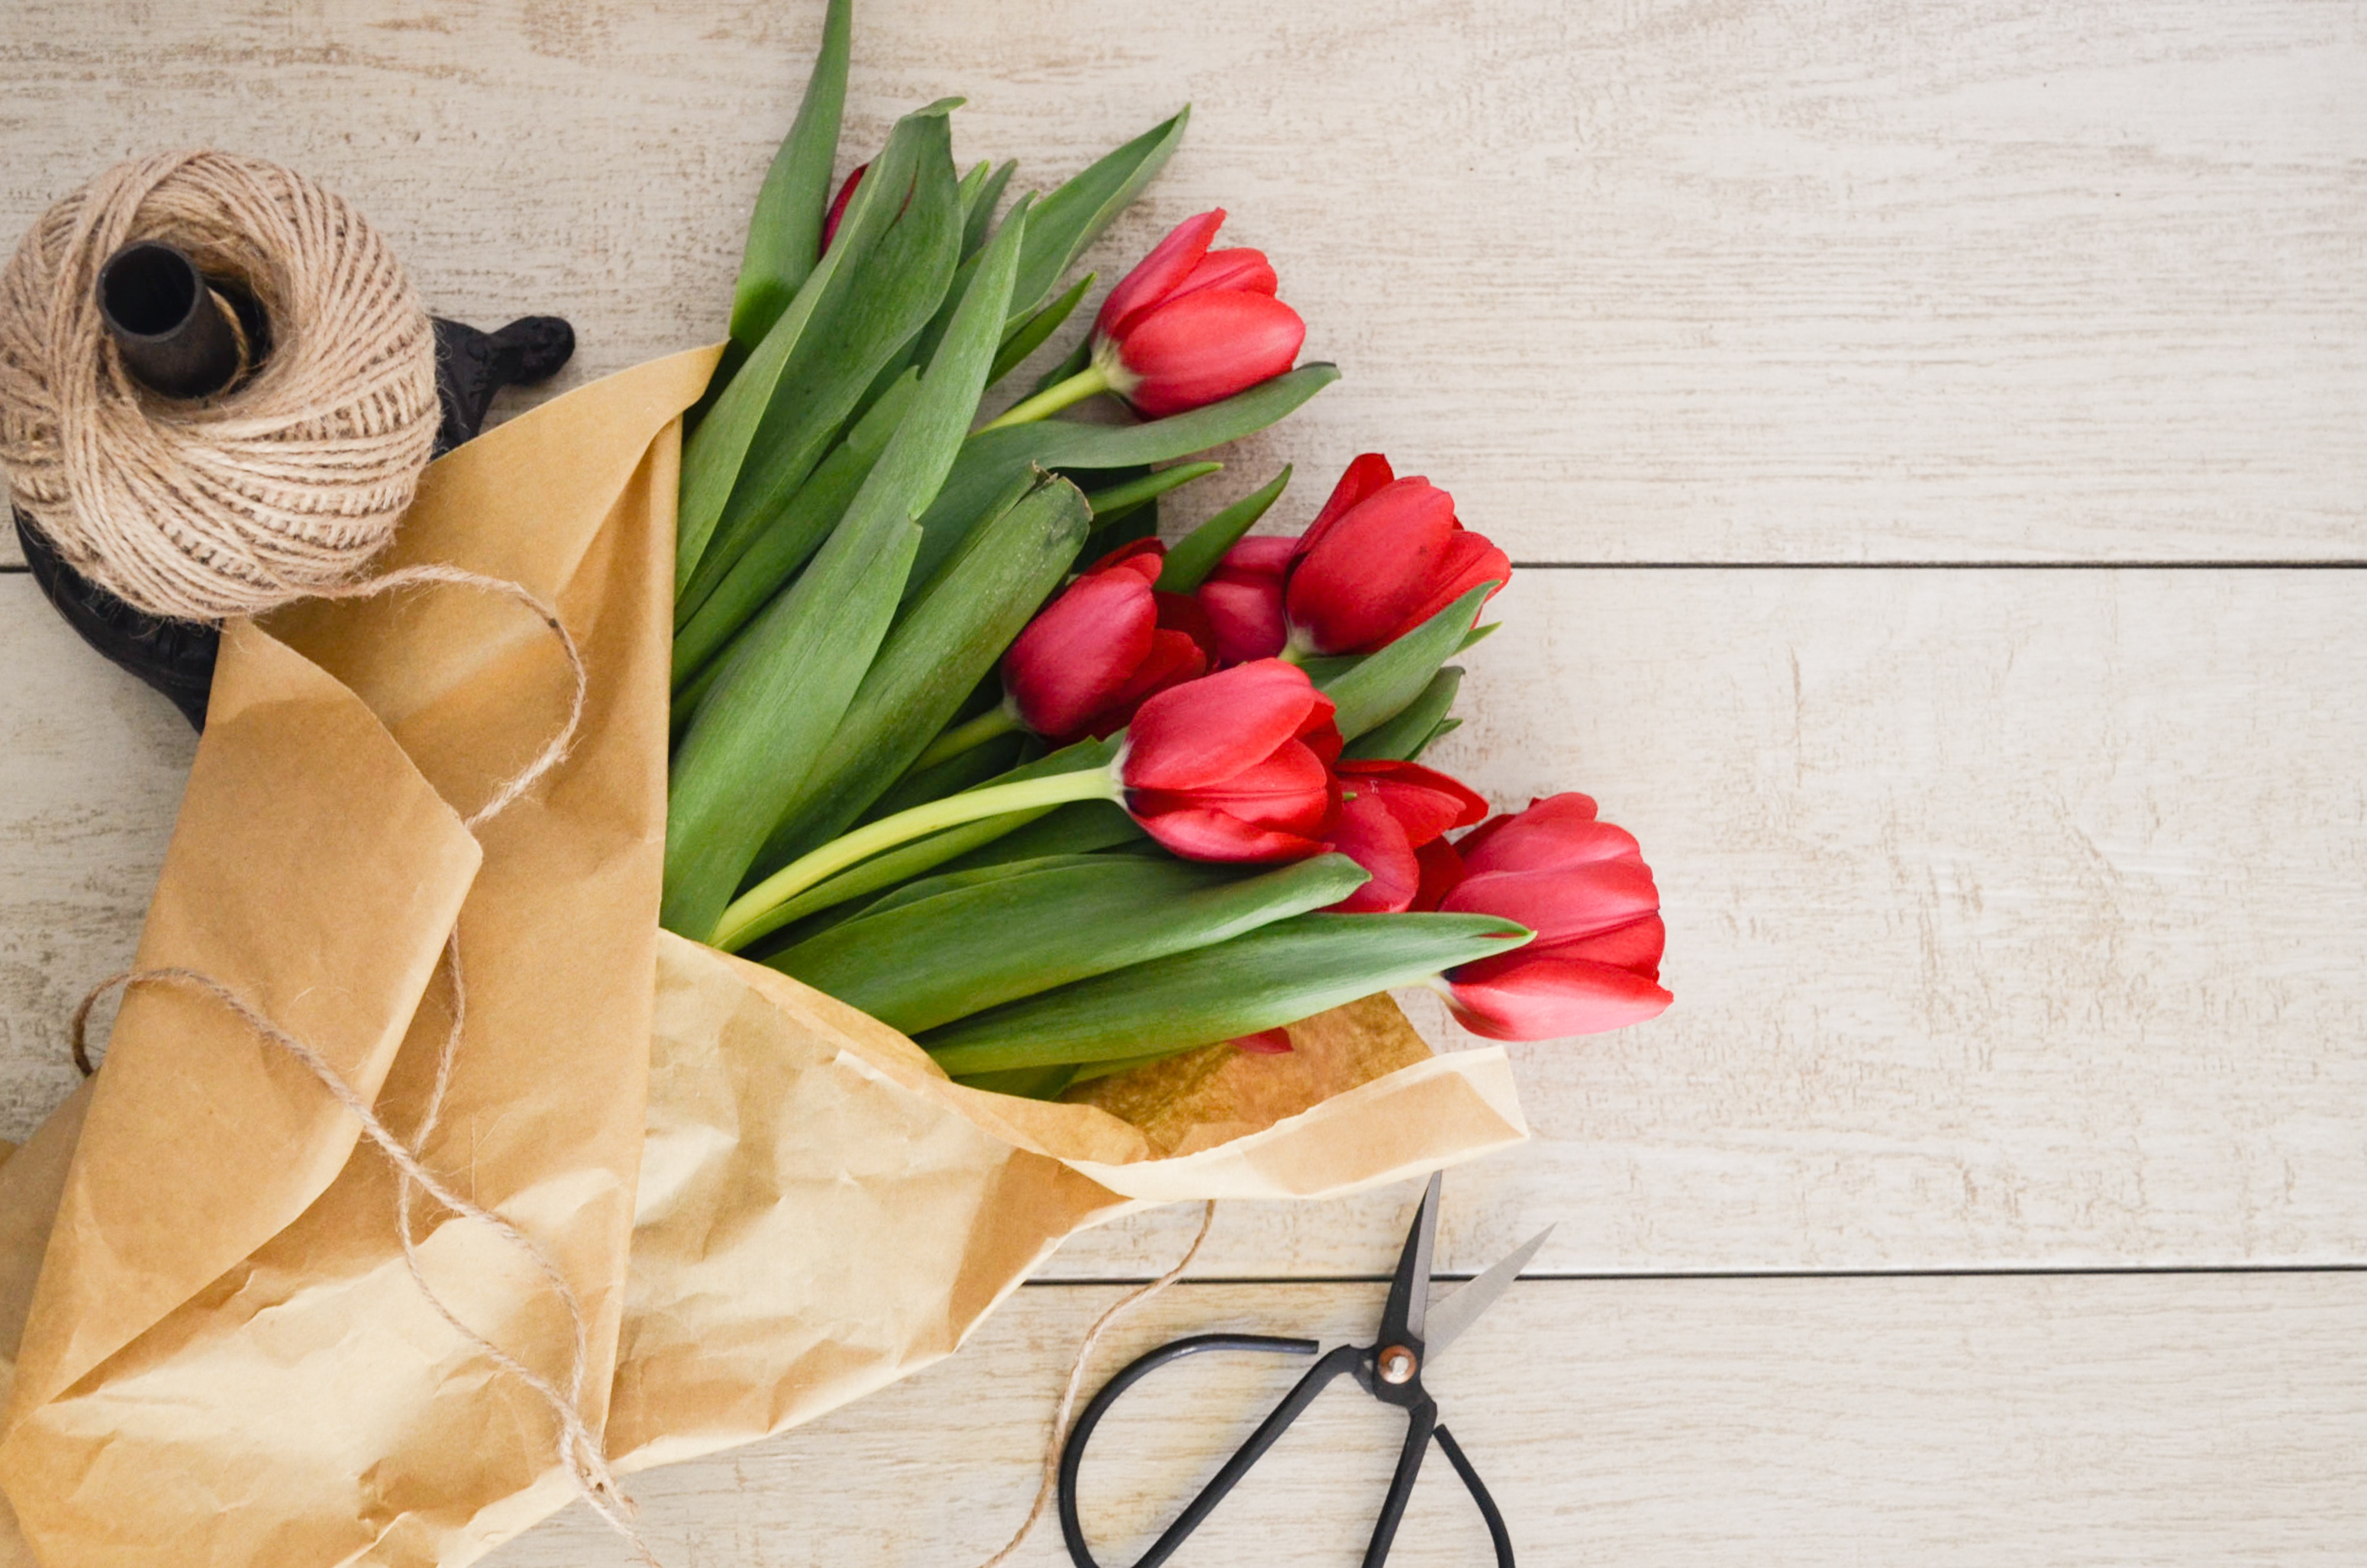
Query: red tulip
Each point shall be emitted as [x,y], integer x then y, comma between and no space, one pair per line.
[1242,599]
[1383,556]
[1190,325]
[1089,657]
[1581,885]
[1389,813]
[838,208]
[1235,766]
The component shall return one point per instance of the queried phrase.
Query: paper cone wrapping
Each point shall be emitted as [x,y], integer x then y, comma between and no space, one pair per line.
[766,1203]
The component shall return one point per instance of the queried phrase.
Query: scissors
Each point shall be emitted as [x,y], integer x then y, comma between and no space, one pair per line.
[1390,1369]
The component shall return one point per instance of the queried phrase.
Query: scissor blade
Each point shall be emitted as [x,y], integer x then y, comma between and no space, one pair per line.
[1409,1290]
[1456,1313]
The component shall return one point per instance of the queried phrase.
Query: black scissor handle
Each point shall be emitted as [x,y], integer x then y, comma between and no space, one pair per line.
[1422,1426]
[1338,1363]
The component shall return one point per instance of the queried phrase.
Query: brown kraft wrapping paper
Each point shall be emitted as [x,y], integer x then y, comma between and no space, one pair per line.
[767,1202]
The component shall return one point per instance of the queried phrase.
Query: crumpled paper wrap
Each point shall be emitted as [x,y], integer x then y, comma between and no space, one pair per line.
[767,1202]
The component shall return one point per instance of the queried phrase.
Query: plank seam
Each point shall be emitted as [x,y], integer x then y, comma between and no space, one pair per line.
[1562,1277]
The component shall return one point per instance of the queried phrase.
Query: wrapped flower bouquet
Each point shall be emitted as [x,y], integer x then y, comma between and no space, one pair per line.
[943,863]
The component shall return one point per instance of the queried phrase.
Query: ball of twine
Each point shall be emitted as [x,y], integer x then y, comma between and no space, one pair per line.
[284,485]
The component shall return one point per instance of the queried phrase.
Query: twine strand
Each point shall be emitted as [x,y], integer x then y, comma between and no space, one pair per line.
[1058,1437]
[579,1449]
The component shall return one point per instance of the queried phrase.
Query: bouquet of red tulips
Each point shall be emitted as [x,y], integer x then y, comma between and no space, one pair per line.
[1053,821]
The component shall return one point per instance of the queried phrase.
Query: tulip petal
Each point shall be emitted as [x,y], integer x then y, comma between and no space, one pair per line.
[1205,347]
[1077,655]
[1426,802]
[1289,789]
[1568,805]
[1560,904]
[1637,945]
[1359,587]
[1197,833]
[1265,1043]
[1206,731]
[1157,275]
[1175,658]
[1144,557]
[1441,868]
[1245,617]
[1370,835]
[1518,995]
[1564,843]
[1471,560]
[1365,474]
[1242,269]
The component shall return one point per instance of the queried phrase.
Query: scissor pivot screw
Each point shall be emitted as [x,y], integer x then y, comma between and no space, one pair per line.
[1399,1365]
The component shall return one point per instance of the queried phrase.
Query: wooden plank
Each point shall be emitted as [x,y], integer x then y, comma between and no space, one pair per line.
[1847,281]
[1950,1422]
[2015,918]
[91,768]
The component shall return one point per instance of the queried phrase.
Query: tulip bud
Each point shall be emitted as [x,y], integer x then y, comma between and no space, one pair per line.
[1242,599]
[1190,326]
[1581,885]
[1094,654]
[1384,556]
[1389,813]
[1235,766]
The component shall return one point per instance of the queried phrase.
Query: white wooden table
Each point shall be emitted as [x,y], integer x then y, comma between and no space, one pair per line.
[1935,437]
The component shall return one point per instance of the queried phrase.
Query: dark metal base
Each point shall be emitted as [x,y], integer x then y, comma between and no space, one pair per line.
[178,656]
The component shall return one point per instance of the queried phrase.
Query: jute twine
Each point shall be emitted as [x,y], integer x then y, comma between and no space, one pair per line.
[1058,1438]
[283,486]
[579,1447]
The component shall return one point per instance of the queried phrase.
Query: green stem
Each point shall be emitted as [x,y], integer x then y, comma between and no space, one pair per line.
[747,918]
[961,737]
[1055,398]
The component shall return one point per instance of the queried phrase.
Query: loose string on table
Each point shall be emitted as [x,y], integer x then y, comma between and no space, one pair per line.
[579,1449]
[1066,1412]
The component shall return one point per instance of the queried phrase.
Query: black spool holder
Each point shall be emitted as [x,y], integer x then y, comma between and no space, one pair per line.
[182,334]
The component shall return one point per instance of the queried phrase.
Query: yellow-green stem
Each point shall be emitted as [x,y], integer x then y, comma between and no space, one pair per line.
[747,918]
[961,737]
[1055,398]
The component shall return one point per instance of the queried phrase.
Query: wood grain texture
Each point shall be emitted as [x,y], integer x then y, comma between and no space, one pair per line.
[91,769]
[1948,1422]
[1826,280]
[2015,919]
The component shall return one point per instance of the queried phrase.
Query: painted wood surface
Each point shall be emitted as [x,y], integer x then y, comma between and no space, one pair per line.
[2015,919]
[1826,280]
[1948,1422]
[2016,916]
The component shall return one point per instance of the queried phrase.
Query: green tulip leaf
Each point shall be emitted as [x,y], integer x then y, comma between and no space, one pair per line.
[1075,214]
[978,208]
[1379,686]
[1035,330]
[1195,555]
[1403,736]
[1276,975]
[791,540]
[989,458]
[923,855]
[994,936]
[1108,505]
[955,631]
[871,306]
[776,705]
[785,231]
[1445,727]
[715,452]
